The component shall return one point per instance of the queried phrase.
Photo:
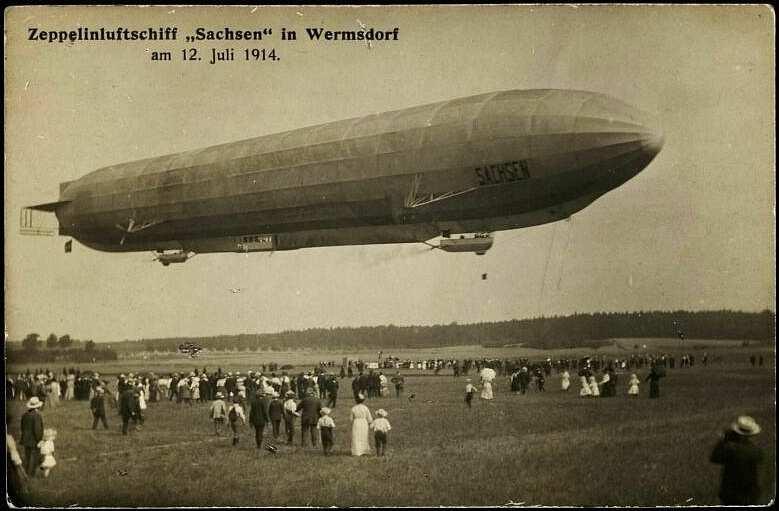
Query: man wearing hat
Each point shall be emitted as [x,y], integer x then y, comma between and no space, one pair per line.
[276,413]
[741,461]
[309,409]
[290,412]
[127,407]
[258,416]
[32,433]
[97,405]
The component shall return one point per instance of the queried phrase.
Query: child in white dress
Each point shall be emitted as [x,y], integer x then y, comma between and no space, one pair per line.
[594,387]
[633,385]
[585,390]
[46,447]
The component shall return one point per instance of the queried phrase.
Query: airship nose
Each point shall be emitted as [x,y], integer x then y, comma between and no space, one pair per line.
[655,142]
[653,138]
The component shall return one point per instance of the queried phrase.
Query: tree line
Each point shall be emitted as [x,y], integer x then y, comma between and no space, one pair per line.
[59,348]
[542,332]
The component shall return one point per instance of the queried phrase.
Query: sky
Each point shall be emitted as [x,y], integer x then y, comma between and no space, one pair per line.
[695,230]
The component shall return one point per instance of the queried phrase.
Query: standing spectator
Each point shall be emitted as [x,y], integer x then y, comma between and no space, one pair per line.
[218,413]
[332,391]
[97,405]
[46,447]
[14,468]
[258,416]
[32,433]
[565,382]
[54,392]
[470,390]
[126,407]
[654,382]
[235,414]
[326,425]
[381,428]
[309,409]
[361,420]
[398,381]
[594,387]
[741,461]
[633,385]
[585,390]
[290,412]
[276,413]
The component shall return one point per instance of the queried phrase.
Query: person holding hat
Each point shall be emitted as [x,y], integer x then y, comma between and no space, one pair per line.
[309,409]
[97,405]
[32,433]
[381,428]
[218,412]
[326,425]
[741,461]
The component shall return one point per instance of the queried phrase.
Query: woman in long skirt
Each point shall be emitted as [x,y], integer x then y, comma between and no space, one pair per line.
[361,420]
[54,393]
[486,390]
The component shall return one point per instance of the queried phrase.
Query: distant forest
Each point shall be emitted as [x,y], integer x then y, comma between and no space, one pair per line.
[543,332]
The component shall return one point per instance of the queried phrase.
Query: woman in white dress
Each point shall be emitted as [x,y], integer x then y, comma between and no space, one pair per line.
[594,387]
[585,390]
[54,393]
[566,381]
[486,390]
[361,420]
[70,387]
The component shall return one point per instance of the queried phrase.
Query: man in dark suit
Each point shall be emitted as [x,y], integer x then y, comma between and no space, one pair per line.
[741,461]
[32,433]
[332,391]
[97,405]
[309,409]
[126,407]
[258,416]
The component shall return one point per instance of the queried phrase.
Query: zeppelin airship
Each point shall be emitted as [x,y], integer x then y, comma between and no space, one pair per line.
[461,169]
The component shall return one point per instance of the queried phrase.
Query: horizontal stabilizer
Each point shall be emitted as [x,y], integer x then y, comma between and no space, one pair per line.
[49,206]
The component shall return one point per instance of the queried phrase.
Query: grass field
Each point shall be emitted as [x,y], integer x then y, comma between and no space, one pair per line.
[548,448]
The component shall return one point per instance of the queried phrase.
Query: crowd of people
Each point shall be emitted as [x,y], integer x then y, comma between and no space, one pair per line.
[281,401]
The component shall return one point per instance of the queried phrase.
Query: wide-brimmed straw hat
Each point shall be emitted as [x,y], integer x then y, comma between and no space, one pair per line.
[745,426]
[33,403]
[325,411]
[381,412]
